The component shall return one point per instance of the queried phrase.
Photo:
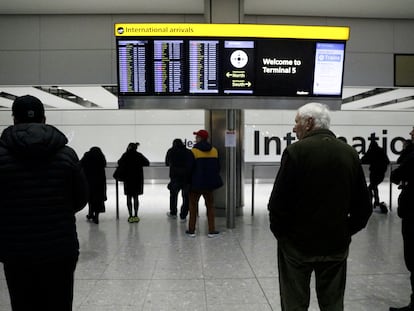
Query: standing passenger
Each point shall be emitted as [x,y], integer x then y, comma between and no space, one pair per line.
[41,188]
[94,163]
[319,200]
[404,176]
[378,163]
[131,164]
[205,178]
[178,158]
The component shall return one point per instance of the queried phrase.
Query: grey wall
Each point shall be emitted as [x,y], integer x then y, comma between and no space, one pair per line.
[79,49]
[65,49]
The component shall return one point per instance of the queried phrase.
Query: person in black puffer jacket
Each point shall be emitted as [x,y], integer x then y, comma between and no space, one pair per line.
[42,186]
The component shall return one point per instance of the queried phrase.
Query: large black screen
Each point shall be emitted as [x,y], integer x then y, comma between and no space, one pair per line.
[229,66]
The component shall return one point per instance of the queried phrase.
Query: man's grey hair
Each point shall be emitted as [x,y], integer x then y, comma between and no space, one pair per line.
[318,112]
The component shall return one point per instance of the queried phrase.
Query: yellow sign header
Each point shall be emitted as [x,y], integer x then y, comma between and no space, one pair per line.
[232,30]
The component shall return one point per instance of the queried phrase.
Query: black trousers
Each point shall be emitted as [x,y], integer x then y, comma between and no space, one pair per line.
[295,270]
[47,286]
[175,188]
[407,230]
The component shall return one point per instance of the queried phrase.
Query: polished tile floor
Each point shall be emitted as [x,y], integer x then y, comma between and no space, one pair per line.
[153,265]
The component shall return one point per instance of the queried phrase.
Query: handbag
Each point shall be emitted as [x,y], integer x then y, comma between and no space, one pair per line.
[119,174]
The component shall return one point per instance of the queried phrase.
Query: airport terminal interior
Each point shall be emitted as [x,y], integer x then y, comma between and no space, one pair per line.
[153,265]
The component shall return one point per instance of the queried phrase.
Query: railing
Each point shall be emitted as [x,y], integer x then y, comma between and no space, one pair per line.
[265,175]
[267,165]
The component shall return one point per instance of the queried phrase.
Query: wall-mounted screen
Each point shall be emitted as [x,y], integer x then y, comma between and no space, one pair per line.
[261,67]
[230,59]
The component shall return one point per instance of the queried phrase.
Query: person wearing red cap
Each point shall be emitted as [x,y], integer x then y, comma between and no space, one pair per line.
[205,178]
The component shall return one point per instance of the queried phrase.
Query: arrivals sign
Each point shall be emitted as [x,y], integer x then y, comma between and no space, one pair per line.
[230,59]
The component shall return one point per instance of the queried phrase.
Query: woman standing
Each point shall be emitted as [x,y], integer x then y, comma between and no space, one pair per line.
[131,165]
[94,163]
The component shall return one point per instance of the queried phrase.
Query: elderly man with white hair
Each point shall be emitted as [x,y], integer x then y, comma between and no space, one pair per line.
[319,200]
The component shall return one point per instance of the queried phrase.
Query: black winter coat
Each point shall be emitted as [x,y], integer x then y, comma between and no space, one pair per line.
[42,186]
[404,175]
[320,197]
[94,163]
[131,163]
[378,163]
[179,159]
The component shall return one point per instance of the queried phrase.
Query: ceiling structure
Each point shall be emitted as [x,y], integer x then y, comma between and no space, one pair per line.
[96,96]
[333,8]
[105,97]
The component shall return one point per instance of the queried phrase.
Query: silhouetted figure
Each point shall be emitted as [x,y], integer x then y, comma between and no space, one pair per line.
[403,175]
[131,165]
[42,187]
[319,200]
[94,163]
[178,159]
[378,163]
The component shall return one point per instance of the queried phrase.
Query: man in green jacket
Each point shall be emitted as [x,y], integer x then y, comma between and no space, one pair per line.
[319,200]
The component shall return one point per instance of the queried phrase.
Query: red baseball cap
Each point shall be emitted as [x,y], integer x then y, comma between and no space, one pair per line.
[202,133]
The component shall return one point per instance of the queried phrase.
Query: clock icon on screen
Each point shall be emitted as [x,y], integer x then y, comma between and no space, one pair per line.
[239,58]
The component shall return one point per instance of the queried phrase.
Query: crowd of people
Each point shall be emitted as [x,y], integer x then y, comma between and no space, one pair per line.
[319,200]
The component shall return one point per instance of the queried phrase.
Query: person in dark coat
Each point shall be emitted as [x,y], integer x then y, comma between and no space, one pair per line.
[131,165]
[94,163]
[403,175]
[319,200]
[378,163]
[178,159]
[42,186]
[205,178]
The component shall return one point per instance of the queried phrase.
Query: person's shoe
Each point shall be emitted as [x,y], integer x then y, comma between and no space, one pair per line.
[171,215]
[407,308]
[130,219]
[213,234]
[191,234]
[136,219]
[383,208]
[96,220]
[183,219]
[89,217]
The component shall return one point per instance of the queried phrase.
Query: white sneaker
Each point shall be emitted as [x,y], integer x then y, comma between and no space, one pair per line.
[213,234]
[190,234]
[171,215]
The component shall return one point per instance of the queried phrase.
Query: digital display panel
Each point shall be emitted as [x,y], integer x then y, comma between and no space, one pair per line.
[329,64]
[230,66]
[168,60]
[238,67]
[203,66]
[284,67]
[132,66]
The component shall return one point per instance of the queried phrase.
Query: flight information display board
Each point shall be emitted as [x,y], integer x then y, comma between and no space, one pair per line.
[185,64]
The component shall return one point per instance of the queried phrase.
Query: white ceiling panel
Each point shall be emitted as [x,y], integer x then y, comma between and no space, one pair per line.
[46,98]
[380,99]
[409,104]
[352,91]
[95,94]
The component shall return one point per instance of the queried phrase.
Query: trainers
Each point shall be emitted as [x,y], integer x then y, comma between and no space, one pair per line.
[190,233]
[183,219]
[136,219]
[213,234]
[171,215]
[130,219]
[383,208]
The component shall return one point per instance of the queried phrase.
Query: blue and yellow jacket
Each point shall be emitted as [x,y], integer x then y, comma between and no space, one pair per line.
[206,167]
